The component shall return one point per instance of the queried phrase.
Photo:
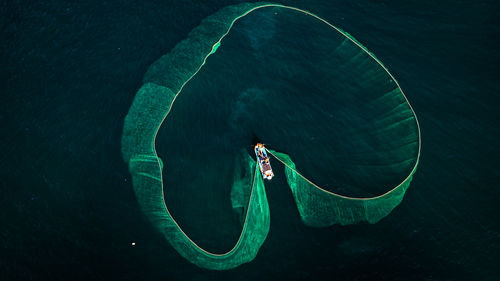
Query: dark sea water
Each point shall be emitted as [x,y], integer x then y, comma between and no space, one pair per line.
[69,72]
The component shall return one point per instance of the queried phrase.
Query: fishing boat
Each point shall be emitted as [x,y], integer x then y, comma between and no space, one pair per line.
[264,164]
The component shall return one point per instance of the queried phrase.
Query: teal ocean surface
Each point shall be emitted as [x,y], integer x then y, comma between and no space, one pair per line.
[69,74]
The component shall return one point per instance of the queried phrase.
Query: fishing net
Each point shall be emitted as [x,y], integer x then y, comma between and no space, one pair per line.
[319,207]
[332,107]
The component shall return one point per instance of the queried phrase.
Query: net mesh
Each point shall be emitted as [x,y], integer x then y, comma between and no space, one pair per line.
[163,81]
[317,207]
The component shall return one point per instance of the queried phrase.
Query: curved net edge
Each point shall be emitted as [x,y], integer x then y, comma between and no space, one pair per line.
[320,208]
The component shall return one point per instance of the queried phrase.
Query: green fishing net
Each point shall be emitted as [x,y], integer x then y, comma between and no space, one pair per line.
[330,105]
